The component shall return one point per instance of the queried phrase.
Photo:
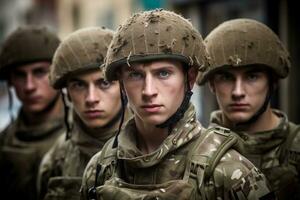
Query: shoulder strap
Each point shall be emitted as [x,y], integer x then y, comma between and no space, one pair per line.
[106,160]
[209,148]
[106,163]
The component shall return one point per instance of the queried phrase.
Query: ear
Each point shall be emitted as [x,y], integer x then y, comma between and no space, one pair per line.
[192,76]
[211,86]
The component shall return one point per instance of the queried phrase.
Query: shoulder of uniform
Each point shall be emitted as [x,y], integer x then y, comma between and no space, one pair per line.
[220,130]
[57,151]
[90,170]
[60,146]
[232,159]
[234,173]
[293,139]
[7,132]
[89,175]
[100,158]
[215,140]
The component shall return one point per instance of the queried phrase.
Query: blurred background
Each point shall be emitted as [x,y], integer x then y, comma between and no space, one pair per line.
[66,16]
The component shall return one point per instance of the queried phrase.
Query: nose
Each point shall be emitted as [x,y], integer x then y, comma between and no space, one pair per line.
[238,91]
[92,97]
[30,84]
[149,88]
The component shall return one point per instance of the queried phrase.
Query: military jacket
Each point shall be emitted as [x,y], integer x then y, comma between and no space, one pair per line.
[175,170]
[275,152]
[21,150]
[62,167]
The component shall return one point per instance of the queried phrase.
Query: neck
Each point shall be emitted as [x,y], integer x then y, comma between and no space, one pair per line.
[266,121]
[38,117]
[149,137]
[99,133]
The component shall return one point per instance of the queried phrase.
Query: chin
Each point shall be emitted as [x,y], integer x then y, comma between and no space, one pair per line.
[95,123]
[34,109]
[238,118]
[154,120]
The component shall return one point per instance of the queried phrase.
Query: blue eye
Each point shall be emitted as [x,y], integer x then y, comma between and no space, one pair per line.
[164,74]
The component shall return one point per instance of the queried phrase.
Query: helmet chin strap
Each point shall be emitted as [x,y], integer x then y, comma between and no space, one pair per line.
[263,108]
[169,123]
[122,114]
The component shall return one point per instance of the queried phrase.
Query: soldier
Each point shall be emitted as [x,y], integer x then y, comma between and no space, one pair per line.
[249,60]
[25,61]
[77,66]
[164,152]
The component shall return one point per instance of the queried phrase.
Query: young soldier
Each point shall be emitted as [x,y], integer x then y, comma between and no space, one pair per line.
[25,61]
[77,66]
[163,152]
[249,60]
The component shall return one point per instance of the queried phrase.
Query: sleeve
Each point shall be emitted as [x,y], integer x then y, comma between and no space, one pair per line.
[237,178]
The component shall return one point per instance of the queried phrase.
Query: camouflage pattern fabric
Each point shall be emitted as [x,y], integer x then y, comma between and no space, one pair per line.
[21,150]
[166,173]
[62,167]
[275,153]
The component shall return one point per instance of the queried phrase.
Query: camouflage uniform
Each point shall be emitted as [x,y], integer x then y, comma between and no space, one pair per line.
[22,145]
[22,148]
[62,167]
[192,162]
[173,171]
[275,152]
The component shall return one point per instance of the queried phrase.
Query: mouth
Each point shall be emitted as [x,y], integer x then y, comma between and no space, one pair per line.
[239,106]
[151,108]
[91,114]
[33,100]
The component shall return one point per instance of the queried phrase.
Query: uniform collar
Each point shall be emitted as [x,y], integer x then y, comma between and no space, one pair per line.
[185,130]
[91,140]
[25,132]
[261,141]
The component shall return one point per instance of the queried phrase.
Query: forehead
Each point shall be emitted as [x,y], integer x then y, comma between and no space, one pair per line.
[88,76]
[153,65]
[32,66]
[242,70]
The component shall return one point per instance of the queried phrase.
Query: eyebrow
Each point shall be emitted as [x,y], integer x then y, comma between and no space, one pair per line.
[81,80]
[255,70]
[75,79]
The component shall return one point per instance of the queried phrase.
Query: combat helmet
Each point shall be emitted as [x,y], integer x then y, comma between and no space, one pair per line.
[245,42]
[25,45]
[156,34]
[83,50]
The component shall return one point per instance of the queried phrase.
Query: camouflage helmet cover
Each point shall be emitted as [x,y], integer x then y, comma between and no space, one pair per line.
[245,42]
[25,45]
[82,50]
[156,34]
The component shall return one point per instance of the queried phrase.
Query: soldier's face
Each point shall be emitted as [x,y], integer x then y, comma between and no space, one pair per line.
[32,86]
[240,92]
[155,90]
[95,100]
